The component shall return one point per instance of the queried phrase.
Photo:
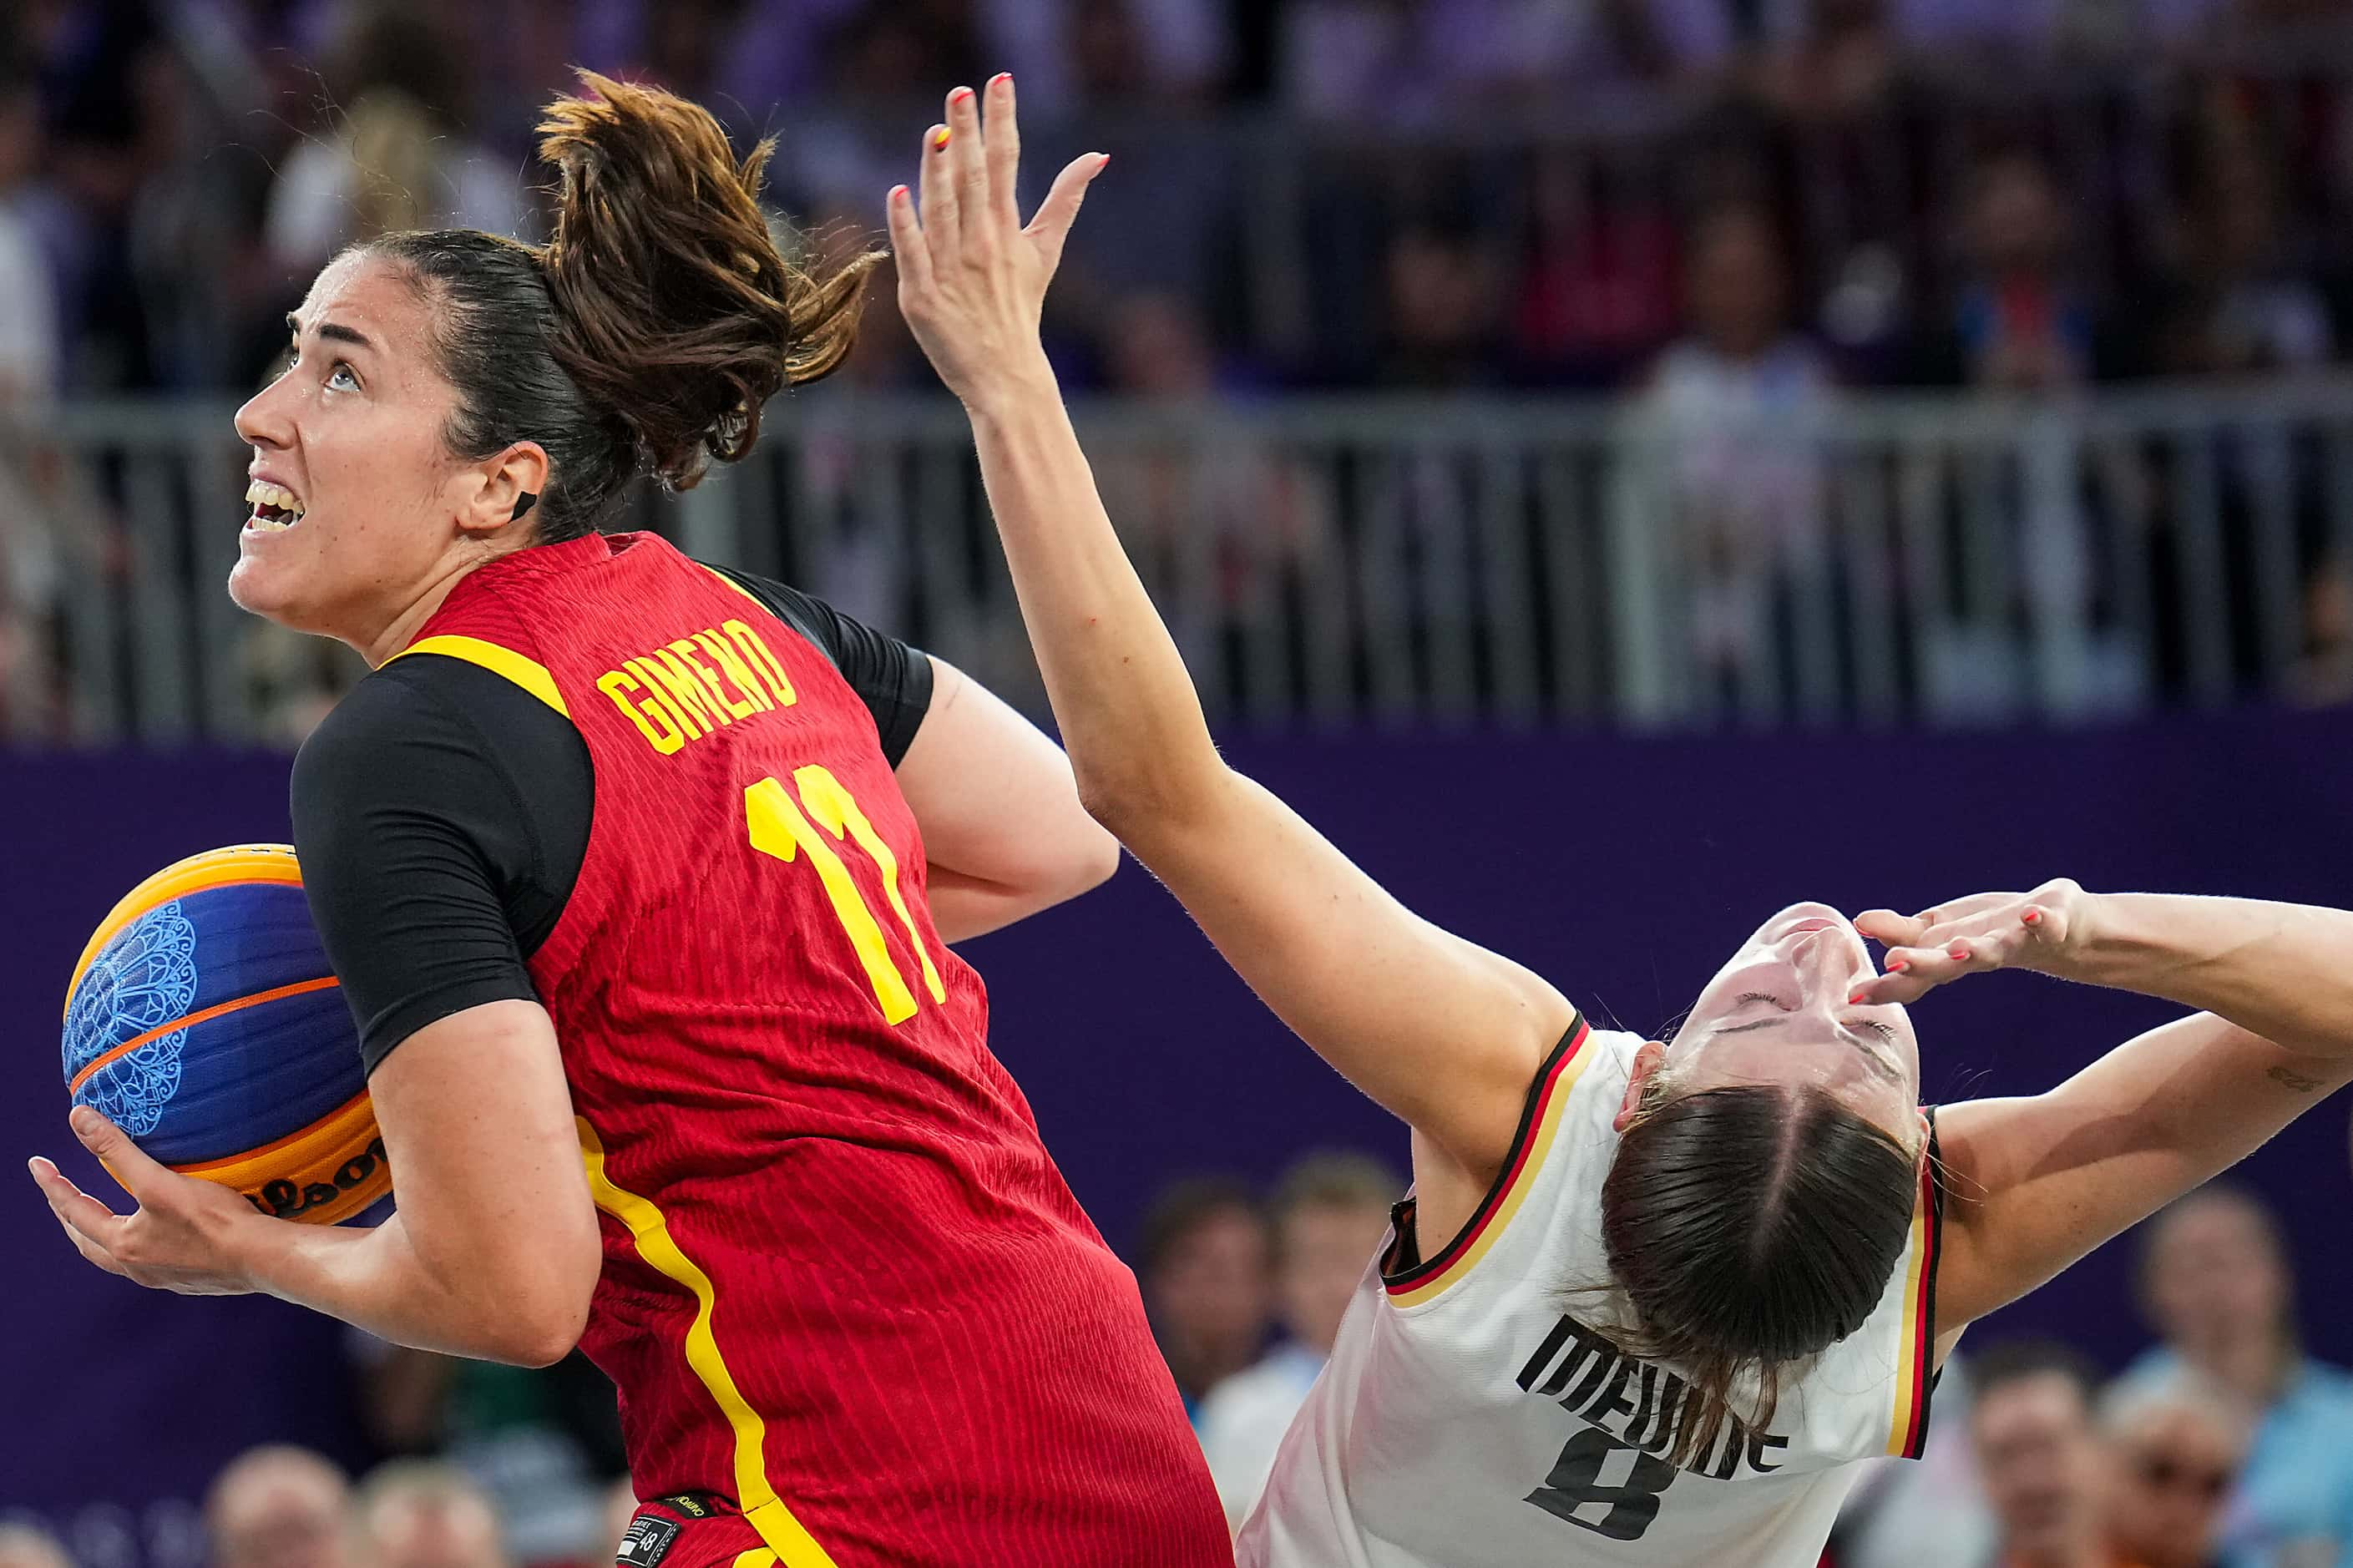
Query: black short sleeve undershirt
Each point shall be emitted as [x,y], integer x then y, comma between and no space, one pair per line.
[441,813]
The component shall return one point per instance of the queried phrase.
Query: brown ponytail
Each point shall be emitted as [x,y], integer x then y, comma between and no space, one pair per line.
[675,308]
[646,336]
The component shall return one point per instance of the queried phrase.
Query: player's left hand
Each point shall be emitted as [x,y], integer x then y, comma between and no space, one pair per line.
[971,277]
[182,1236]
[2038,931]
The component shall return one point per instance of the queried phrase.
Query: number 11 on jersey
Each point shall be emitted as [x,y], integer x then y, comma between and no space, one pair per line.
[824,814]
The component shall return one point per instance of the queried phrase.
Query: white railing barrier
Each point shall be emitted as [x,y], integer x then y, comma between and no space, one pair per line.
[1453,561]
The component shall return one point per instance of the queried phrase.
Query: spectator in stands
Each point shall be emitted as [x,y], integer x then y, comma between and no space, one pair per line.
[413,1513]
[1202,1261]
[620,1508]
[1836,64]
[2323,677]
[540,1443]
[399,158]
[291,681]
[1330,1212]
[102,147]
[1928,1512]
[2216,1287]
[2239,306]
[30,469]
[1733,403]
[2048,1472]
[28,327]
[2019,324]
[1420,60]
[1595,296]
[23,1546]
[1440,278]
[279,1507]
[2179,1447]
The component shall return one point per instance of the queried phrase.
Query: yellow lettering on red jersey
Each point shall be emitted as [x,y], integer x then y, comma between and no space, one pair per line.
[692,656]
[763,660]
[652,722]
[685,692]
[737,671]
[653,685]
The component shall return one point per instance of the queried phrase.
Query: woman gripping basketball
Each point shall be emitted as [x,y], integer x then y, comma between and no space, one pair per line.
[1650,1300]
[639,876]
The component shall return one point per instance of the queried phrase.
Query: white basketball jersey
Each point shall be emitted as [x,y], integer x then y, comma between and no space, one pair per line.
[1474,1415]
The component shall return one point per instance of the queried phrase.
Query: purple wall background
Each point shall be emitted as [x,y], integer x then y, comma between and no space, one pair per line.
[1625,869]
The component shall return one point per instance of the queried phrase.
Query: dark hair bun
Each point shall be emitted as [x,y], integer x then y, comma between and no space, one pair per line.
[676,312]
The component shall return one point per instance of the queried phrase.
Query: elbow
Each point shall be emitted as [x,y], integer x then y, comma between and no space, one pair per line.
[543,1349]
[1093,857]
[1131,805]
[536,1308]
[1080,857]
[542,1333]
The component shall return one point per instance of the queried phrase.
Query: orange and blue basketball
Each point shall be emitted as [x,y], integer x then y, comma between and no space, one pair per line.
[205,1021]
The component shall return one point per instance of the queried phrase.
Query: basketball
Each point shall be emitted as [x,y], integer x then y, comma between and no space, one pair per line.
[205,1021]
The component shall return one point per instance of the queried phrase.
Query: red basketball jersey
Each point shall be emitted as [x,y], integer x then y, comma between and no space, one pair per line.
[845,1287]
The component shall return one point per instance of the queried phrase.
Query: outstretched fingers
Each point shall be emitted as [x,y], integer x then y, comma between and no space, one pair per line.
[88,1223]
[1051,226]
[943,227]
[910,249]
[967,156]
[1891,929]
[1001,141]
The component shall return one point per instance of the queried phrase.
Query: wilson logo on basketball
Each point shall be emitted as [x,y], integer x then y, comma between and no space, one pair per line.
[284,1199]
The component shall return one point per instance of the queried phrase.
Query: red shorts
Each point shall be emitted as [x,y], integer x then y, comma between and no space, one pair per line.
[692,1532]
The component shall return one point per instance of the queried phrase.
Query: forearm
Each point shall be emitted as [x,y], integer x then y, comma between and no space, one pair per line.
[1129,716]
[376,1279]
[2281,971]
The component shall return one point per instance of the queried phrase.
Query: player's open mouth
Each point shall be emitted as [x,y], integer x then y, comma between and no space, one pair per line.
[275,508]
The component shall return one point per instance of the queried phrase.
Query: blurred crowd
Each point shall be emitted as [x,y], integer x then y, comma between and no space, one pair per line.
[2223,1445]
[1726,209]
[1425,192]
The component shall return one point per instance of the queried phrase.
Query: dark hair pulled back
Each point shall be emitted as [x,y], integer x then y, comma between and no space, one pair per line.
[1751,1226]
[648,331]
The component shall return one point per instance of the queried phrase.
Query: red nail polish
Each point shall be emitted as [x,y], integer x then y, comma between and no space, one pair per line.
[2033,917]
[897,192]
[1958,950]
[1898,965]
[1000,76]
[959,95]
[1854,1000]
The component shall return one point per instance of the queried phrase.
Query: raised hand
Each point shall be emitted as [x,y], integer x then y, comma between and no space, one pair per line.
[2036,930]
[971,277]
[180,1237]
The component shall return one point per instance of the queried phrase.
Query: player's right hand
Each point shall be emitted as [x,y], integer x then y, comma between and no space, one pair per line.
[972,277]
[2037,931]
[182,1236]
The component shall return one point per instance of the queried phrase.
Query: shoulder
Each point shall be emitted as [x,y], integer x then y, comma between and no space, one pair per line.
[2324,1388]
[399,704]
[1539,1203]
[803,611]
[428,728]
[419,700]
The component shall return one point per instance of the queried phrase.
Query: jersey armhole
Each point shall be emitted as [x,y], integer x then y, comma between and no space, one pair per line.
[1412,1279]
[1917,1373]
